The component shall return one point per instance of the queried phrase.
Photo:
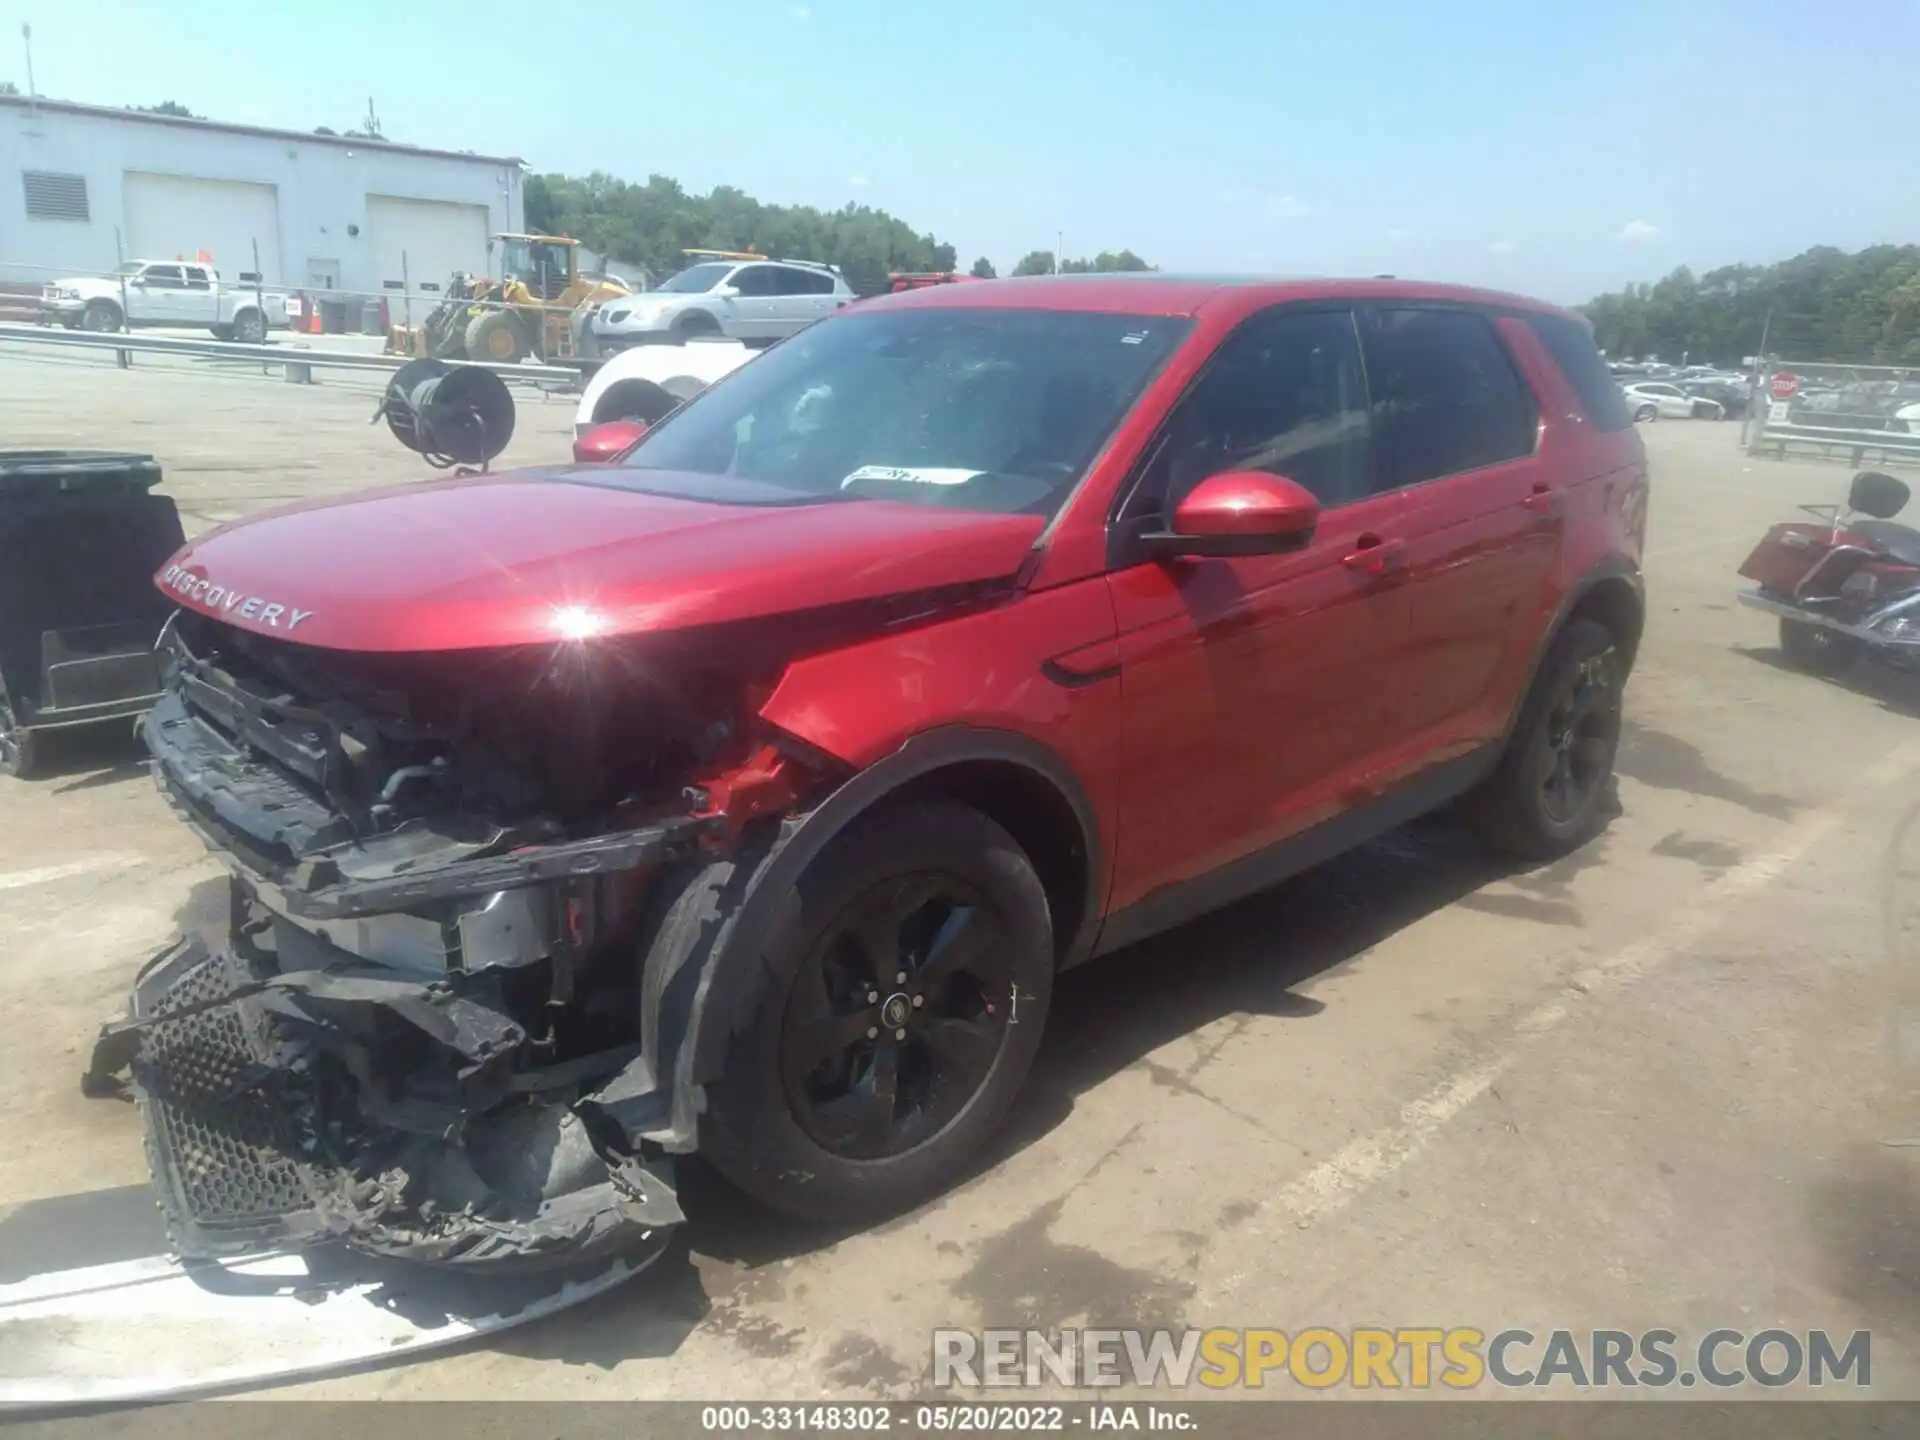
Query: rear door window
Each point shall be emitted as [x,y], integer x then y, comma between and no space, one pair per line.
[1446,395]
[757,280]
[1571,345]
[804,282]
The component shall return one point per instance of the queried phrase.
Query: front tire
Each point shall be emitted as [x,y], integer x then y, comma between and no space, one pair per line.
[1550,791]
[893,1018]
[101,315]
[495,337]
[695,325]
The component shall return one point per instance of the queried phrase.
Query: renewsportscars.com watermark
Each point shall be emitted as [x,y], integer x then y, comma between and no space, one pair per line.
[1410,1358]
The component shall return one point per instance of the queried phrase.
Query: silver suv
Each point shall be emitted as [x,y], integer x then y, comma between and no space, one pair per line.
[739,298]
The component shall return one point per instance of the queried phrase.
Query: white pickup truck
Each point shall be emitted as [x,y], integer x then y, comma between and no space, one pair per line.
[167,292]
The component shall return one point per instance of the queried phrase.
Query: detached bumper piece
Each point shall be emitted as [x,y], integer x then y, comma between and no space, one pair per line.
[155,1327]
[357,1105]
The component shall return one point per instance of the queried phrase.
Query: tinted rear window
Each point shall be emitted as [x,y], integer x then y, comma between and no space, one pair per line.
[1579,359]
[1446,396]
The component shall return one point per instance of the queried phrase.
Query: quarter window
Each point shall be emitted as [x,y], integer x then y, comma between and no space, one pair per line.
[805,282]
[1570,343]
[1446,397]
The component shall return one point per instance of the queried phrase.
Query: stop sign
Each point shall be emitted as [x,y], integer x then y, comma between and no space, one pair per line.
[1785,385]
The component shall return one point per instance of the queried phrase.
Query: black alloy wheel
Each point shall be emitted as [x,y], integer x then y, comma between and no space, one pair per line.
[1582,734]
[897,1017]
[885,1024]
[1549,794]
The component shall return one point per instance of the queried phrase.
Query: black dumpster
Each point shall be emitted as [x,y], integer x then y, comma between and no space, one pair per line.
[80,540]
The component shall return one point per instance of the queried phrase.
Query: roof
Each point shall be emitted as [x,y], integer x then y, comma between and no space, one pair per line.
[305,137]
[1154,292]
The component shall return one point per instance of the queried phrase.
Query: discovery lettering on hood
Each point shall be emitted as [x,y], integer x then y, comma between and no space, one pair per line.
[226,600]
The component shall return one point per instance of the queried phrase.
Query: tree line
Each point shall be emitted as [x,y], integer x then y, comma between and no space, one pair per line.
[652,225]
[1824,304]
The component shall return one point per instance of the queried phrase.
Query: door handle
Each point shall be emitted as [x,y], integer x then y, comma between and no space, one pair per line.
[1373,555]
[1544,500]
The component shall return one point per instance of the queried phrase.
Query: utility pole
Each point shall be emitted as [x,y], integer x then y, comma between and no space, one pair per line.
[1059,248]
[26,41]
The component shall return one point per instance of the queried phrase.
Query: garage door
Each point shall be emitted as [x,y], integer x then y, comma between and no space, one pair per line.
[169,215]
[433,238]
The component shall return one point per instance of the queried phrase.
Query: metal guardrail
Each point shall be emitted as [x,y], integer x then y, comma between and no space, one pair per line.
[1829,408]
[300,362]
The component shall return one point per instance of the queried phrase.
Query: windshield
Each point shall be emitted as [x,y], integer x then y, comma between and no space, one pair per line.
[130,267]
[542,264]
[696,279]
[996,410]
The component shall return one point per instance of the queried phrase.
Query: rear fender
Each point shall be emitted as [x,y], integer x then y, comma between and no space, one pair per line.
[1614,590]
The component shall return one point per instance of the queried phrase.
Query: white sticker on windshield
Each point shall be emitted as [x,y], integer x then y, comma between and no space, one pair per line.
[911,475]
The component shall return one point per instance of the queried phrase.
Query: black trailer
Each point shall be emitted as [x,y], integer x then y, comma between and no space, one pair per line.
[81,536]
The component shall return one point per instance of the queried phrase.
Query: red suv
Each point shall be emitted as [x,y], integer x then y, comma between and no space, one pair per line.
[745,795]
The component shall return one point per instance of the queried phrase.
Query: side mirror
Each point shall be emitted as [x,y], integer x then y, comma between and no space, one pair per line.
[608,442]
[1239,512]
[726,292]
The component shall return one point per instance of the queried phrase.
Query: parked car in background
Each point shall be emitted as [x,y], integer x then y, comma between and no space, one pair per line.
[648,382]
[1663,400]
[154,293]
[1730,393]
[754,300]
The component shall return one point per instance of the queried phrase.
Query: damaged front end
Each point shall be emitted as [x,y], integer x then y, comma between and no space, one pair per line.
[425,1033]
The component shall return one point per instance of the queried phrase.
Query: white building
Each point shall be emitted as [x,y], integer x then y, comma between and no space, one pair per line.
[325,212]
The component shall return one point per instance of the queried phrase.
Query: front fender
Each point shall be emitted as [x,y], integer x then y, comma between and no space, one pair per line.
[764,903]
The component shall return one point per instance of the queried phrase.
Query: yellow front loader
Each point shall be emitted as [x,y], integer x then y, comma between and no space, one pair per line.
[534,309]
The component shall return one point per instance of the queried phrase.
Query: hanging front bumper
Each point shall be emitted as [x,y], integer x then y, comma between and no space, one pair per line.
[357,1105]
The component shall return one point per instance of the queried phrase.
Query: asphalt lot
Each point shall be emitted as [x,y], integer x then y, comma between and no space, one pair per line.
[1649,1086]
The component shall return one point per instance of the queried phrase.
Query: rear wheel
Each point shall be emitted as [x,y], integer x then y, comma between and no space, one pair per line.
[894,1018]
[496,337]
[250,327]
[1550,791]
[222,332]
[1646,413]
[1817,649]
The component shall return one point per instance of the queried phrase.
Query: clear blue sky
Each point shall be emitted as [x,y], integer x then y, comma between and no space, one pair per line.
[1558,149]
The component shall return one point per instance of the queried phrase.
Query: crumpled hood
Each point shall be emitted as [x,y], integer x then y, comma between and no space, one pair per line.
[541,555]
